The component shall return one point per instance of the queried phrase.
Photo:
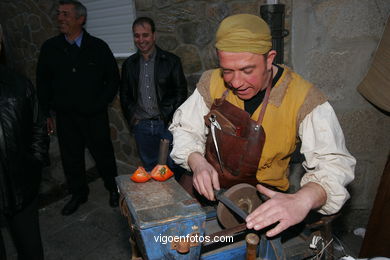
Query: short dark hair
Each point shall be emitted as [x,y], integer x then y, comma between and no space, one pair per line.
[80,9]
[143,20]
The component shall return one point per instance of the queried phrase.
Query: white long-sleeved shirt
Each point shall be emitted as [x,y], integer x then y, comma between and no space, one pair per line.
[328,162]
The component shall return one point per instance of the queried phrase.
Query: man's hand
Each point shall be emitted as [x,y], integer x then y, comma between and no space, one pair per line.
[205,176]
[287,209]
[50,126]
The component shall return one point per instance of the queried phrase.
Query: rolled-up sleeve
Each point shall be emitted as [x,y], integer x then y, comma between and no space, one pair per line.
[328,162]
[188,129]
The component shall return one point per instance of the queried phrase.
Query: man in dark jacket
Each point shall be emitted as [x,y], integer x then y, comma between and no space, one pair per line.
[153,86]
[23,151]
[77,77]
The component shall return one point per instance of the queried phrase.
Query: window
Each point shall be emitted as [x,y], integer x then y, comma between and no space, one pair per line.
[111,21]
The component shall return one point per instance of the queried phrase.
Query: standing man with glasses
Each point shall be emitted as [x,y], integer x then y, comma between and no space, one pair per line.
[153,87]
[77,78]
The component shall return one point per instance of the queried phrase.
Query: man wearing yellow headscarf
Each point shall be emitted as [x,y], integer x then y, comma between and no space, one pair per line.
[297,111]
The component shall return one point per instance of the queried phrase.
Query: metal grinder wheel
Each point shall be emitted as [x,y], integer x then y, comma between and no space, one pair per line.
[245,196]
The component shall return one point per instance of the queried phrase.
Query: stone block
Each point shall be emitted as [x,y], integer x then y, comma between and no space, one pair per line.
[191,82]
[116,119]
[366,134]
[116,248]
[165,23]
[19,20]
[113,132]
[117,146]
[366,131]
[349,19]
[196,33]
[81,236]
[190,58]
[127,149]
[247,8]
[115,104]
[47,6]
[319,68]
[209,57]
[216,12]
[167,42]
[105,220]
[351,219]
[143,5]
[358,188]
[168,19]
[126,138]
[163,3]
[35,22]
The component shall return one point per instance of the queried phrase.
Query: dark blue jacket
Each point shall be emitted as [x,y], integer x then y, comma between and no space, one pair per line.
[81,81]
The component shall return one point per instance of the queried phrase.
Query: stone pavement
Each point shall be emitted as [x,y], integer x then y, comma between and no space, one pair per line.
[95,231]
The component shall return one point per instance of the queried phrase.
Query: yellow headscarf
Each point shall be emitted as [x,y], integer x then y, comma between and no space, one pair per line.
[243,33]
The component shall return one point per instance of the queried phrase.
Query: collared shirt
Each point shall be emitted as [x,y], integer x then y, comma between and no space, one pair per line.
[147,106]
[77,40]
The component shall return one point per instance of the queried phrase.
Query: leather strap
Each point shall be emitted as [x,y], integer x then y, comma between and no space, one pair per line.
[265,100]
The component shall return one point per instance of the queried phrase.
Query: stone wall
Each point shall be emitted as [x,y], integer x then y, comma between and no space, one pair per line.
[333,42]
[27,24]
[187,28]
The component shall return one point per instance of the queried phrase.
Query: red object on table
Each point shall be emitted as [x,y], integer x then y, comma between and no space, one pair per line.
[140,175]
[161,173]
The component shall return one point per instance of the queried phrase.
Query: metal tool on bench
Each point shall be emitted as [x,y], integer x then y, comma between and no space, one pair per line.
[161,171]
[230,204]
[236,203]
[234,206]
[163,151]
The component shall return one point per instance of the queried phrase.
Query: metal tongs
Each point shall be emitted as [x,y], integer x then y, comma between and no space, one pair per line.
[215,124]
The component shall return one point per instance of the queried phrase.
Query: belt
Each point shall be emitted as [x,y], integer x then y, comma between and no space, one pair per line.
[157,118]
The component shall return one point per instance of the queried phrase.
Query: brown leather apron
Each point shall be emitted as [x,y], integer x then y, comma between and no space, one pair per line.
[238,139]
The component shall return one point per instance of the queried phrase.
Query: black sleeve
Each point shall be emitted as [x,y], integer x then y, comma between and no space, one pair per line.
[180,83]
[124,92]
[111,77]
[44,80]
[40,139]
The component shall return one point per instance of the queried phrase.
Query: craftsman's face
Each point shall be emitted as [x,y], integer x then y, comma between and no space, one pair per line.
[246,73]
[144,38]
[68,22]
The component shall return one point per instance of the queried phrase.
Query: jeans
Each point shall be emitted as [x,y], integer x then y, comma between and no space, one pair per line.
[148,134]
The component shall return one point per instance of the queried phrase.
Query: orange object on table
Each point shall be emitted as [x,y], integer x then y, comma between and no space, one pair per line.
[140,175]
[161,172]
